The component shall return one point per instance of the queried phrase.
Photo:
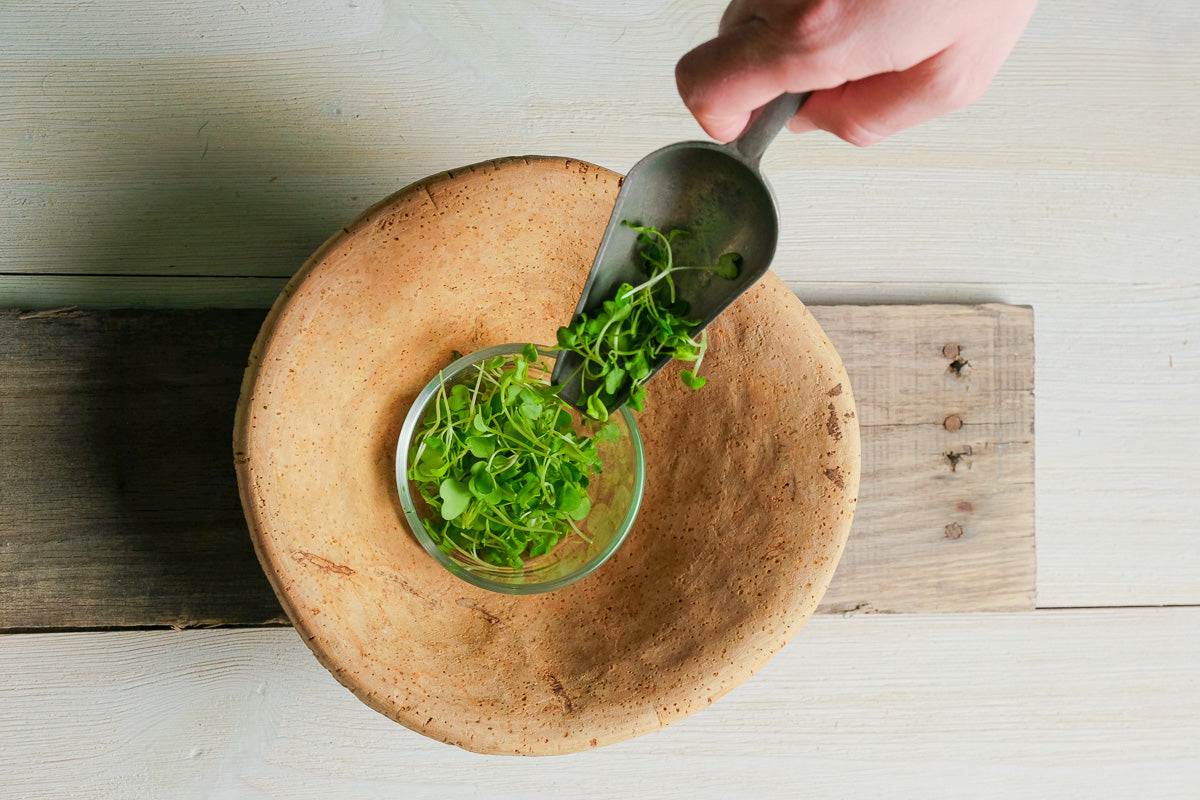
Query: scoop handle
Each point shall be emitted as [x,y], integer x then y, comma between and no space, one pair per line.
[765,125]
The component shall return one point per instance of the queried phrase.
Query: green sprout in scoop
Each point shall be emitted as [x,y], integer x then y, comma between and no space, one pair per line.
[628,333]
[500,464]
[499,459]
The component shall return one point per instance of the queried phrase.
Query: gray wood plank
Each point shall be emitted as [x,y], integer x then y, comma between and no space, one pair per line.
[119,506]
[118,503]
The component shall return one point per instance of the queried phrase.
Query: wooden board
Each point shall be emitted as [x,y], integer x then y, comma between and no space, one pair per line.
[1079,703]
[945,510]
[118,505]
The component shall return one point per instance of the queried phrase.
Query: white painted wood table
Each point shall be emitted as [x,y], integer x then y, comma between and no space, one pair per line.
[193,154]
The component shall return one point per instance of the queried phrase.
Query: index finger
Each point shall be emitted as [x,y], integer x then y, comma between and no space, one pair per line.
[723,80]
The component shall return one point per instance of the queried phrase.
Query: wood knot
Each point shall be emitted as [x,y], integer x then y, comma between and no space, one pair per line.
[959,366]
[953,423]
[954,457]
[954,531]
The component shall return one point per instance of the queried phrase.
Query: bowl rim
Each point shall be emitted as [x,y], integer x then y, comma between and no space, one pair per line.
[413,519]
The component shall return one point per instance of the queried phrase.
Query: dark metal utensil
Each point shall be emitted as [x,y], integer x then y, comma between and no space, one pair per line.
[716,193]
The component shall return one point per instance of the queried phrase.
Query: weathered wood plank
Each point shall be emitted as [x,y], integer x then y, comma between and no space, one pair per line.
[945,403]
[1062,704]
[118,505]
[1115,508]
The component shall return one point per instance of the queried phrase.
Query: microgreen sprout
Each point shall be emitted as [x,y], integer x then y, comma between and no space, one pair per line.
[620,341]
[501,465]
[499,459]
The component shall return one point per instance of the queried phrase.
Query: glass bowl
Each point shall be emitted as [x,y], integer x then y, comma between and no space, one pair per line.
[615,494]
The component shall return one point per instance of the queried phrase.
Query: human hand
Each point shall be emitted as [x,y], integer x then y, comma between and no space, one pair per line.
[875,67]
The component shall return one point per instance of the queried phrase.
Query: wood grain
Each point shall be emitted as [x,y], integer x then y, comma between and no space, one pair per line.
[1064,704]
[119,506]
[220,141]
[145,150]
[1115,497]
[945,405]
[142,155]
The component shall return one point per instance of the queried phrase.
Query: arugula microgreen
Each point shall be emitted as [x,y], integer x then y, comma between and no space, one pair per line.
[499,459]
[629,332]
[501,465]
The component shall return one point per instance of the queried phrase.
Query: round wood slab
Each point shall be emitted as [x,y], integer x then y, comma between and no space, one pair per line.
[751,481]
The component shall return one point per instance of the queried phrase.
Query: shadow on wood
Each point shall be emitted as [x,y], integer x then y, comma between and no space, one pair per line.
[118,504]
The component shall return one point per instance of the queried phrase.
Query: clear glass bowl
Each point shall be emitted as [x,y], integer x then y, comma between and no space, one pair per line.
[615,493]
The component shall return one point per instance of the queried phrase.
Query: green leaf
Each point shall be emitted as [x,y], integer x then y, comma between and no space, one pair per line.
[638,367]
[531,409]
[527,493]
[729,266]
[582,510]
[568,499]
[455,497]
[595,407]
[459,397]
[637,398]
[692,381]
[614,380]
[620,312]
[529,353]
[686,352]
[483,486]
[481,446]
[432,461]
[608,432]
[543,546]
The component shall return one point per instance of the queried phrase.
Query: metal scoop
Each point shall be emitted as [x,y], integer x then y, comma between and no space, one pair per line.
[716,193]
